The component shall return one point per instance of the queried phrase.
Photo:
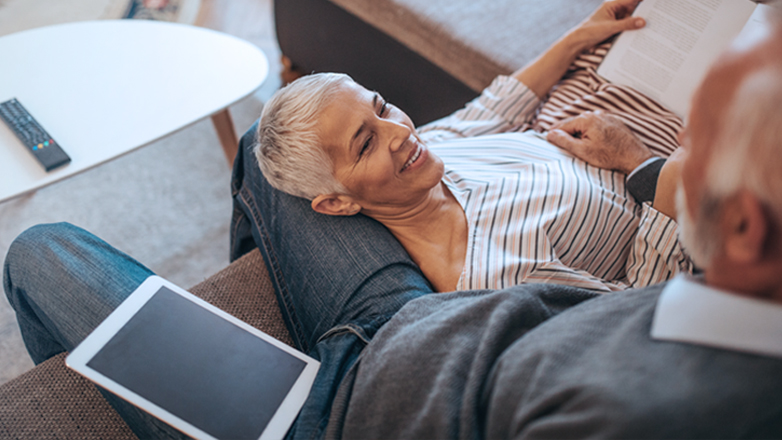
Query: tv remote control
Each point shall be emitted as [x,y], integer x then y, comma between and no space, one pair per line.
[32,135]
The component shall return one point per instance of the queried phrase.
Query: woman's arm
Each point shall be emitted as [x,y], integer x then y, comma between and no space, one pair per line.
[509,103]
[611,18]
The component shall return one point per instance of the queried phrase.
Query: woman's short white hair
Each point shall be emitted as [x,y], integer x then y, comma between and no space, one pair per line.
[289,150]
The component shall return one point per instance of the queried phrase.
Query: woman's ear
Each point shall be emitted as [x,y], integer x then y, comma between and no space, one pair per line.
[335,204]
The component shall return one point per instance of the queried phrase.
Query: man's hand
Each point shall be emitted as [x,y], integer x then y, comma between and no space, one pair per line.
[601,140]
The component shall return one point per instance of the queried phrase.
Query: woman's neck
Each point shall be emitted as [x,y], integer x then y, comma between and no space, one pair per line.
[423,219]
[433,231]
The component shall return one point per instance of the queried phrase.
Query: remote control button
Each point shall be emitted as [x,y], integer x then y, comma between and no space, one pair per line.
[32,135]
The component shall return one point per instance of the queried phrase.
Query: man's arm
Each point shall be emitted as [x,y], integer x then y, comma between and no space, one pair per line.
[656,182]
[668,184]
[642,181]
[602,140]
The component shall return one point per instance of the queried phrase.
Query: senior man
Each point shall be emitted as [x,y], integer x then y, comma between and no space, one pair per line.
[696,357]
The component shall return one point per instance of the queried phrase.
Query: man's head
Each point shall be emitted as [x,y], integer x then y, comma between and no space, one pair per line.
[730,203]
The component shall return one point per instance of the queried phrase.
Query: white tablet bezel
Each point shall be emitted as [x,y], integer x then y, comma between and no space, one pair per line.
[84,352]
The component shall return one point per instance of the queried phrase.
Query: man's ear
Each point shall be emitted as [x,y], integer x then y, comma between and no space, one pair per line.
[746,228]
[335,204]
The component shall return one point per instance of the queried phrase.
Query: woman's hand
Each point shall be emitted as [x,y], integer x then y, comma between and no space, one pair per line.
[601,140]
[547,69]
[611,18]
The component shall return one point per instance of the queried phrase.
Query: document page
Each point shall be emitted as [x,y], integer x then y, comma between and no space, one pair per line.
[668,58]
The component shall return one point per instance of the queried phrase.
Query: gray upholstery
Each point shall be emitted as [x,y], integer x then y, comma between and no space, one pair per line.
[474,41]
[427,57]
[52,402]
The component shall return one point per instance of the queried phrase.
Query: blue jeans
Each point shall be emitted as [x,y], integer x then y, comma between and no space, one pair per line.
[63,281]
[337,281]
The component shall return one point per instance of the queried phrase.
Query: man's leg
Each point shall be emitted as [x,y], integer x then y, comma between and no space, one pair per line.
[337,280]
[327,271]
[63,281]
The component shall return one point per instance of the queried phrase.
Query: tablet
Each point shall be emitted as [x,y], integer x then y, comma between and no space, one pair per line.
[195,367]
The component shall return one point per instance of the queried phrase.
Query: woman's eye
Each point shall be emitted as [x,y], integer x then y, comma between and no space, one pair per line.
[383,108]
[365,147]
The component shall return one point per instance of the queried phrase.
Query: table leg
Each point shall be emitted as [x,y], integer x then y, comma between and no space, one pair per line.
[227,134]
[289,72]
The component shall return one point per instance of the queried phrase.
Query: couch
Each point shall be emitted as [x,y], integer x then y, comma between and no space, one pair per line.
[427,57]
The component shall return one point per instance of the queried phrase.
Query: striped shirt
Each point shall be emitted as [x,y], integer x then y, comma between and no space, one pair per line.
[536,213]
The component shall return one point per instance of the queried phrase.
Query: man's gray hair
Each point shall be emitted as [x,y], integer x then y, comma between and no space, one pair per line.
[289,150]
[747,155]
[748,152]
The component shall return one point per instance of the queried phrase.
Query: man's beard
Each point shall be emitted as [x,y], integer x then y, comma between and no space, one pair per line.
[700,238]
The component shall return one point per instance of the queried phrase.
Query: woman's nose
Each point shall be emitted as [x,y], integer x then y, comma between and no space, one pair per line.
[396,133]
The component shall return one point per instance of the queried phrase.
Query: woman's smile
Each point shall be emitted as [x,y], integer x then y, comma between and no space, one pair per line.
[417,157]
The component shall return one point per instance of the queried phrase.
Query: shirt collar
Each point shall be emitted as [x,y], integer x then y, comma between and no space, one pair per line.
[460,194]
[689,311]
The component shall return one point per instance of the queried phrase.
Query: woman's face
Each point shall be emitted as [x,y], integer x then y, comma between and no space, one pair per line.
[375,150]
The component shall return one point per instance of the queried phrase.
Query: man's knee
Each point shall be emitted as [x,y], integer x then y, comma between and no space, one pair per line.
[33,248]
[38,240]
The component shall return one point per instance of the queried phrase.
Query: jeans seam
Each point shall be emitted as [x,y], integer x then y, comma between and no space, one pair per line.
[238,216]
[276,271]
[342,329]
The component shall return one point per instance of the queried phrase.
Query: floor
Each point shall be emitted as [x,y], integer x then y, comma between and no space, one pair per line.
[182,231]
[252,20]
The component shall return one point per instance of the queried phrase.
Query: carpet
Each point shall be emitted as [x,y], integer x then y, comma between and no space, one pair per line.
[167,204]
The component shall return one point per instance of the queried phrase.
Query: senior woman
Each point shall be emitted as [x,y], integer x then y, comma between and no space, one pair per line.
[476,203]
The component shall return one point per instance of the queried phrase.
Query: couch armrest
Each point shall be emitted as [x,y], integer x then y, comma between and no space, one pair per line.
[245,290]
[51,401]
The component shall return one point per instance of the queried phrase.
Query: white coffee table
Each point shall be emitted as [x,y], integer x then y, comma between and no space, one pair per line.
[104,88]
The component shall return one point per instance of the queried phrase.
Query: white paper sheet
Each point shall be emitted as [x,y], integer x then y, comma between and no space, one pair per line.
[668,58]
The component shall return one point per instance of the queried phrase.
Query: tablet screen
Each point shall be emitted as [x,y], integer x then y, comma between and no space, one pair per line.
[198,366]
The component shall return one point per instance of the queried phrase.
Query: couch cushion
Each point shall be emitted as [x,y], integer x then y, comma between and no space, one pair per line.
[473,41]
